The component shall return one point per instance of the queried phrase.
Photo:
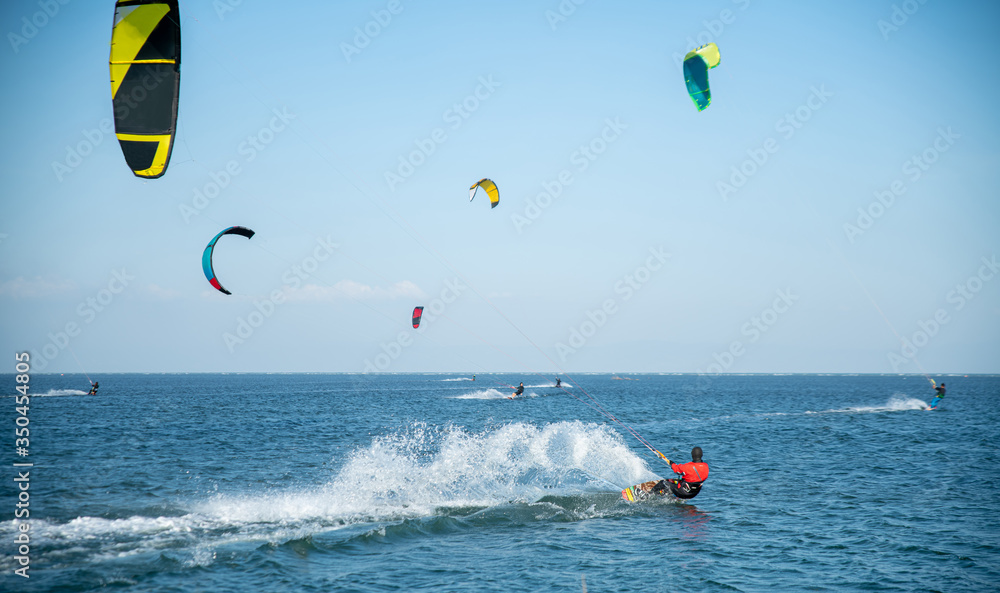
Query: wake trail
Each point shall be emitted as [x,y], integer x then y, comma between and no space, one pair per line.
[897,403]
[419,472]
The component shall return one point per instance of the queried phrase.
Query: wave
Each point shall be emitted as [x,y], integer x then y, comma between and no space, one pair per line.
[567,470]
[459,379]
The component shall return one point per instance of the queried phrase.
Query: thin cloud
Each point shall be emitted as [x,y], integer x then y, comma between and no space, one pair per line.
[349,289]
[159,292]
[37,287]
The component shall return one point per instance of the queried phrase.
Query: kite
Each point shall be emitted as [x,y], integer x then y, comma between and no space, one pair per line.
[696,66]
[206,257]
[418,312]
[145,68]
[489,187]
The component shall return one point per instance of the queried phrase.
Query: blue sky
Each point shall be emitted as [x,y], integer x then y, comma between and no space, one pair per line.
[745,238]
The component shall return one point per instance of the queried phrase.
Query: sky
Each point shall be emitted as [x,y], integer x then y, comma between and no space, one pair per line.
[834,210]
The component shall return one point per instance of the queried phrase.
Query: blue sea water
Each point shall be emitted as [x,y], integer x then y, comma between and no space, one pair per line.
[281,482]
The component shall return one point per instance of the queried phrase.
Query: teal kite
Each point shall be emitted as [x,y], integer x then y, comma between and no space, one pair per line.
[206,256]
[697,63]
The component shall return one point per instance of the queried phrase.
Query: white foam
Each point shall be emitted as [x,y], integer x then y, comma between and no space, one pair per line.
[489,393]
[418,472]
[57,392]
[422,470]
[899,402]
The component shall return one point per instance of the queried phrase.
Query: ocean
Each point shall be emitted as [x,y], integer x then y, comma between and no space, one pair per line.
[433,482]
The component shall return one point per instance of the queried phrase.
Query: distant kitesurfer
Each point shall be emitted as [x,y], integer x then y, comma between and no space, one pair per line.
[558,382]
[473,377]
[688,485]
[520,390]
[93,388]
[937,398]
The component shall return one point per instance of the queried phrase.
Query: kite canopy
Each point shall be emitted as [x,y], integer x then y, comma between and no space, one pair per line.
[418,312]
[696,66]
[206,256]
[489,187]
[145,82]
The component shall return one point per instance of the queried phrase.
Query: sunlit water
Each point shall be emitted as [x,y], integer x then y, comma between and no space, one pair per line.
[429,482]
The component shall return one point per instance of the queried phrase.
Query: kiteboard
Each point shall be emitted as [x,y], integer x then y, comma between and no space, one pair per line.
[633,494]
[934,404]
[637,493]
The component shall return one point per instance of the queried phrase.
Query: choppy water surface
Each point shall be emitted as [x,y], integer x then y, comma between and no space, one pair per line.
[432,482]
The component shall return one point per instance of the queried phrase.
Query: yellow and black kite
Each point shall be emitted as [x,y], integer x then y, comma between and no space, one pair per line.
[145,82]
[489,187]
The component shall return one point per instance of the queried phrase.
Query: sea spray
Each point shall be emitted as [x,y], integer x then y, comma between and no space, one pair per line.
[899,402]
[420,472]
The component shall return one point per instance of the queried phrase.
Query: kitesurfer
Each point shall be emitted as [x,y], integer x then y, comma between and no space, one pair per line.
[558,382]
[93,388]
[937,398]
[688,485]
[520,390]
